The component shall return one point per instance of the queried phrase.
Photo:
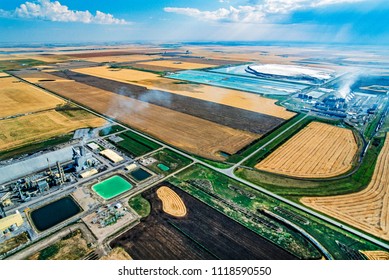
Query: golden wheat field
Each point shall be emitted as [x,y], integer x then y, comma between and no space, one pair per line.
[229,97]
[120,75]
[172,204]
[17,97]
[367,209]
[187,132]
[376,255]
[20,131]
[318,151]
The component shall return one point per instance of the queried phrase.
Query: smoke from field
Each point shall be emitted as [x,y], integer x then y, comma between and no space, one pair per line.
[135,103]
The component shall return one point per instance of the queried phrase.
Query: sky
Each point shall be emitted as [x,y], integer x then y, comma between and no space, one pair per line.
[316,21]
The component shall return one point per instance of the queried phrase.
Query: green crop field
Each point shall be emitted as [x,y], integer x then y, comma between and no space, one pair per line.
[238,201]
[140,205]
[14,64]
[135,144]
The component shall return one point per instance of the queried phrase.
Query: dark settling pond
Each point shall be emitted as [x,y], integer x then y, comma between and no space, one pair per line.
[54,213]
[140,174]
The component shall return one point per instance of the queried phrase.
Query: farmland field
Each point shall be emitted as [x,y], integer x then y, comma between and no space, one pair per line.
[368,209]
[172,204]
[218,113]
[202,234]
[17,97]
[228,97]
[177,64]
[134,144]
[376,255]
[189,133]
[318,151]
[29,129]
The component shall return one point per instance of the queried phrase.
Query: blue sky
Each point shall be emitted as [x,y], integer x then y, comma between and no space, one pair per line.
[319,21]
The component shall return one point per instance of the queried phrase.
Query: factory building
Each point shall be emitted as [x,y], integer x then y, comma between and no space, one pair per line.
[26,167]
[11,221]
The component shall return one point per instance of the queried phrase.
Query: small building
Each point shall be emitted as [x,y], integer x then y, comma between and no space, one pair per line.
[11,221]
[88,173]
[111,155]
[131,167]
[93,146]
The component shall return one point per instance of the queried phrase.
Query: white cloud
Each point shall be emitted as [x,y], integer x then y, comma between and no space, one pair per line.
[256,13]
[55,11]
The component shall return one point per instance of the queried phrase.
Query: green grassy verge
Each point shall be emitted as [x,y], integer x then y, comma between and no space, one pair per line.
[140,205]
[32,148]
[14,64]
[294,189]
[215,189]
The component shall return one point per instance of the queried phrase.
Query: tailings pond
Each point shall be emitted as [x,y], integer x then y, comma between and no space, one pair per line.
[54,213]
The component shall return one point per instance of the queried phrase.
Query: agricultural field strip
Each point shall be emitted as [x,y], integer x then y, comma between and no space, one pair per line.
[228,97]
[18,97]
[229,173]
[222,114]
[319,150]
[367,209]
[196,135]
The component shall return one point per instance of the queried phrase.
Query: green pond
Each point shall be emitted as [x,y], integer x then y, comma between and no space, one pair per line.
[112,187]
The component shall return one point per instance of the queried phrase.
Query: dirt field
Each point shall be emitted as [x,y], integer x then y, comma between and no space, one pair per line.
[71,247]
[172,204]
[189,133]
[13,243]
[376,255]
[35,77]
[154,68]
[117,254]
[218,113]
[122,58]
[20,131]
[2,74]
[180,64]
[228,97]
[202,234]
[18,98]
[318,151]
[368,209]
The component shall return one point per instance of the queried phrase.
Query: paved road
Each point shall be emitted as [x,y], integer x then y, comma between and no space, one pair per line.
[229,173]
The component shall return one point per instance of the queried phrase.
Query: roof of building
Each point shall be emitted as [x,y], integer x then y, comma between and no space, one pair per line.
[111,155]
[89,173]
[131,167]
[93,146]
[10,220]
[22,168]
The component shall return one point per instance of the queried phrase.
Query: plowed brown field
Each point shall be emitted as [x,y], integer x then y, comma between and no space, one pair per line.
[318,151]
[367,209]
